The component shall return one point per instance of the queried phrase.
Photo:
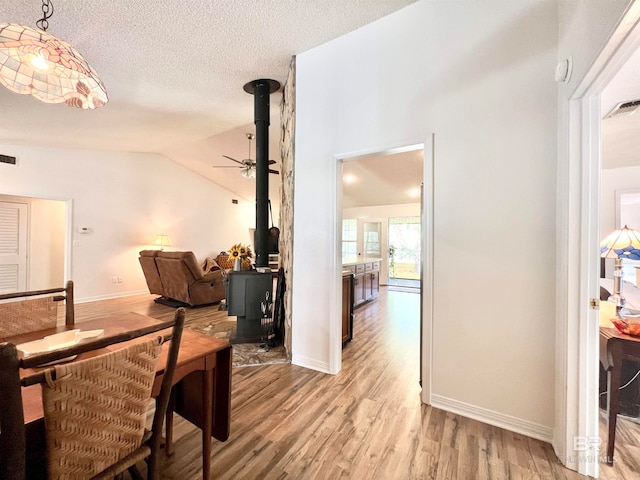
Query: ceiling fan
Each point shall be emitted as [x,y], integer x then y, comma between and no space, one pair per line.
[247,165]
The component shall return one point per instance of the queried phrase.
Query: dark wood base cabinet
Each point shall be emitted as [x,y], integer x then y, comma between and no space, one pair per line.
[347,307]
[366,282]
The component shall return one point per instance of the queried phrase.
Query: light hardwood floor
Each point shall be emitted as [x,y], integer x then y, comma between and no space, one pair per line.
[367,422]
[627,451]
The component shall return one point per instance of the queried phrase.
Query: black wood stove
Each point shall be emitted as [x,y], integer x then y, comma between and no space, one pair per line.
[247,291]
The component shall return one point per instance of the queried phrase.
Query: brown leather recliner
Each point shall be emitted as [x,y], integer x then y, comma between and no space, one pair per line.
[177,276]
[148,263]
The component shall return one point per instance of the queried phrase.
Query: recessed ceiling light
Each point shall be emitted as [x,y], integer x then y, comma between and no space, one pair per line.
[414,192]
[348,178]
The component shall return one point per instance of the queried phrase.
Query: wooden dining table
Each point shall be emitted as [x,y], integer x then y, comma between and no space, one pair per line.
[202,380]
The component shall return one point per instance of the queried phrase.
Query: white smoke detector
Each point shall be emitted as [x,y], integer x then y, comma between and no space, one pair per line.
[563,70]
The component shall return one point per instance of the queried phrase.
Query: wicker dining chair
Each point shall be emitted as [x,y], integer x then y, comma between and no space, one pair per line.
[23,312]
[94,409]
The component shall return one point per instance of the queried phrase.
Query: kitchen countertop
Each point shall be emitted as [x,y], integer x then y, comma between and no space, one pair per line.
[359,261]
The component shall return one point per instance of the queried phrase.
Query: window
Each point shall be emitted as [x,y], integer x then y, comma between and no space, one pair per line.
[349,239]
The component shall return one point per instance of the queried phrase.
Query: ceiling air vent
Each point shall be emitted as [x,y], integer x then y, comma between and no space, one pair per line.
[626,108]
[7,159]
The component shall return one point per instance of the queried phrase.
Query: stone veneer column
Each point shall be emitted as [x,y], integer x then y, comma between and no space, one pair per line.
[287,153]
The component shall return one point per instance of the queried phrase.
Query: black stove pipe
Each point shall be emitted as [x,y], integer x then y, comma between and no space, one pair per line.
[261,90]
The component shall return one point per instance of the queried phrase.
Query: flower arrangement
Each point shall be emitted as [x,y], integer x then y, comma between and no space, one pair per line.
[226,259]
[243,252]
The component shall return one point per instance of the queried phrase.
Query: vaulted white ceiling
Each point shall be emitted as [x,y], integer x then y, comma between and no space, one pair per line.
[390,179]
[174,72]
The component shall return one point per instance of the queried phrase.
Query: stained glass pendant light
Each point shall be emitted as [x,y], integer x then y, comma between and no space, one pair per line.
[36,63]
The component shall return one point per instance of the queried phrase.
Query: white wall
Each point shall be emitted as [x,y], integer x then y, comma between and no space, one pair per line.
[479,76]
[585,27]
[126,199]
[47,244]
[383,212]
[615,179]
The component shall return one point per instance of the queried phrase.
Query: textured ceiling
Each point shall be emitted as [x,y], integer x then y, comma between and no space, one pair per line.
[174,72]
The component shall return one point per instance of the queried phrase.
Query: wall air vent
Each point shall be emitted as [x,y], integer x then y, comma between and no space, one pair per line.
[7,159]
[626,108]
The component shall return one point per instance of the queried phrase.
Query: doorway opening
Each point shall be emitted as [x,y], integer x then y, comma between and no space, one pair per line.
[426,196]
[618,200]
[33,246]
[374,189]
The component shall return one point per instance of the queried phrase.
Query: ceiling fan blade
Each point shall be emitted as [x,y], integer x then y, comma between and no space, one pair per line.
[233,159]
[271,162]
[274,171]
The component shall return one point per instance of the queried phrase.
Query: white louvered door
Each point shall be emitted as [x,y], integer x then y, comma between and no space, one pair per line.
[13,247]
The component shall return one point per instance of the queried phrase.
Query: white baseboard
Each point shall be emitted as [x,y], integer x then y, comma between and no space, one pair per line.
[310,363]
[109,296]
[513,424]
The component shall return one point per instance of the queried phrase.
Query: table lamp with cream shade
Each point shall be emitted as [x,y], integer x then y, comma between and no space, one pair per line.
[162,240]
[621,244]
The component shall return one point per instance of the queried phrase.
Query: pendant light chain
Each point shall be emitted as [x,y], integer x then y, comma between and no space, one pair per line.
[47,12]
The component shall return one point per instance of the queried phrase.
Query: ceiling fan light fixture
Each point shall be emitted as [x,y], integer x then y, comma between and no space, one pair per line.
[247,166]
[249,172]
[34,62]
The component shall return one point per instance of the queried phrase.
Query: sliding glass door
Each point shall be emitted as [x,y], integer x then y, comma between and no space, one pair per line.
[404,250]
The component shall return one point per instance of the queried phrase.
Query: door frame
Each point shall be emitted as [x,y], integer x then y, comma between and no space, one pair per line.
[68,227]
[577,326]
[427,274]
